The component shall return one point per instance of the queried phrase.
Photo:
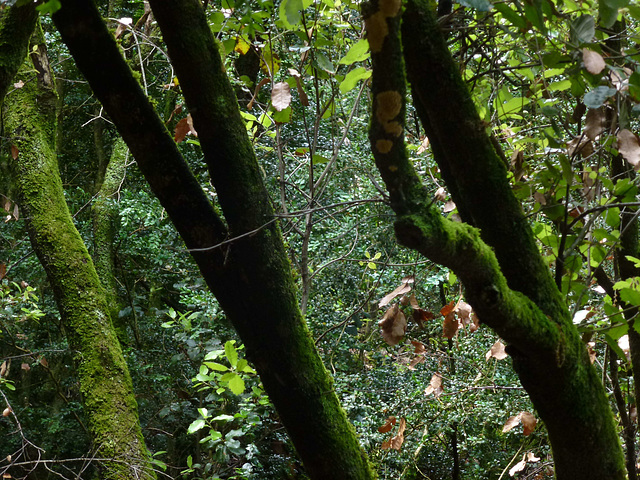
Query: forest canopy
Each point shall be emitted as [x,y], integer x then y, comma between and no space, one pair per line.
[247,239]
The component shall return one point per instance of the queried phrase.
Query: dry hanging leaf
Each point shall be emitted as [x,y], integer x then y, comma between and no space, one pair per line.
[391,421]
[26,367]
[393,325]
[593,61]
[532,458]
[262,83]
[424,145]
[497,351]
[281,96]
[304,99]
[450,326]
[4,369]
[181,130]
[518,467]
[190,123]
[19,84]
[420,316]
[435,386]
[592,352]
[396,441]
[405,287]
[16,211]
[43,362]
[511,423]
[413,301]
[14,152]
[441,194]
[449,206]
[415,361]
[475,323]
[517,164]
[3,271]
[629,148]
[528,423]
[6,412]
[464,311]
[419,347]
[595,123]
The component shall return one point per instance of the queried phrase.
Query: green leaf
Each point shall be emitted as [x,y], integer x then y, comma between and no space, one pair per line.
[319,159]
[371,265]
[324,63]
[358,52]
[608,11]
[231,353]
[223,418]
[583,29]
[511,15]
[204,413]
[218,367]
[51,6]
[196,425]
[480,5]
[595,98]
[236,385]
[283,116]
[290,12]
[352,78]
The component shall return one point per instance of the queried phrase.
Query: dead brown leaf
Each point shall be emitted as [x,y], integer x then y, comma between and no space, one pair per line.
[405,287]
[419,347]
[396,441]
[14,152]
[593,61]
[413,301]
[518,467]
[448,308]
[4,369]
[43,362]
[528,423]
[450,326]
[595,123]
[435,386]
[391,421]
[420,316]
[26,367]
[441,194]
[424,145]
[18,84]
[497,351]
[181,130]
[3,271]
[262,83]
[393,325]
[592,351]
[281,96]
[304,99]
[511,423]
[629,147]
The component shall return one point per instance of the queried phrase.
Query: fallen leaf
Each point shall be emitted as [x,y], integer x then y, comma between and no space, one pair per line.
[629,148]
[393,325]
[391,421]
[593,61]
[497,351]
[528,422]
[435,386]
[281,96]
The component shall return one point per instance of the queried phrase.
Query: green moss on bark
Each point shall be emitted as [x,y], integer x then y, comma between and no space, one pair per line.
[105,384]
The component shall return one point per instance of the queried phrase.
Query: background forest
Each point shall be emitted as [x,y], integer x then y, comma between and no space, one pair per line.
[428,387]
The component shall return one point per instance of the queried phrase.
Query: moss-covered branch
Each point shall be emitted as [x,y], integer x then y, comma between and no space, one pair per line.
[547,352]
[251,277]
[107,392]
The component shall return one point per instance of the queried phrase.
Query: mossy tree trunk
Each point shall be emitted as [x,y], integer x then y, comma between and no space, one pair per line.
[493,252]
[106,224]
[108,400]
[242,257]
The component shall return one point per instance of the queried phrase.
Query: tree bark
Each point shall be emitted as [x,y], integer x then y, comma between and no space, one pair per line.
[504,276]
[242,259]
[108,399]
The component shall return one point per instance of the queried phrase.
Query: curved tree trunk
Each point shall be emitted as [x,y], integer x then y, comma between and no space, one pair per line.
[504,276]
[109,403]
[250,275]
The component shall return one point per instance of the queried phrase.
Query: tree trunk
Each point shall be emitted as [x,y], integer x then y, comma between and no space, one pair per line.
[109,403]
[504,276]
[242,259]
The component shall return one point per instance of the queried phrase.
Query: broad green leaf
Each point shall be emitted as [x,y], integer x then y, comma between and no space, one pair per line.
[583,29]
[196,425]
[231,353]
[290,12]
[204,413]
[608,10]
[613,342]
[358,52]
[319,159]
[324,63]
[51,6]
[236,385]
[595,98]
[352,78]
[223,418]
[283,116]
